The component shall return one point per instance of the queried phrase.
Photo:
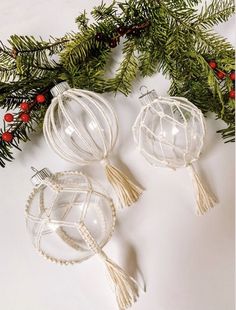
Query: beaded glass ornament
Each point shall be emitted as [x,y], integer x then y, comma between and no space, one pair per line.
[169,132]
[70,218]
[82,128]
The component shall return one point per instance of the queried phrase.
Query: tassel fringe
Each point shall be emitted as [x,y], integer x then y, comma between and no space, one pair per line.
[126,288]
[205,200]
[126,190]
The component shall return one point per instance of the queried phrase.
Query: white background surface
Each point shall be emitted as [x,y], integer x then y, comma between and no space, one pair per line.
[187,261]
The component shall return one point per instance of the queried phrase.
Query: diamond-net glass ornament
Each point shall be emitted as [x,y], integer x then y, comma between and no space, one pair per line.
[82,128]
[70,218]
[169,132]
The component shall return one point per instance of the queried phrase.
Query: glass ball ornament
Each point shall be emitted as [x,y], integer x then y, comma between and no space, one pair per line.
[82,128]
[170,132]
[70,218]
[57,205]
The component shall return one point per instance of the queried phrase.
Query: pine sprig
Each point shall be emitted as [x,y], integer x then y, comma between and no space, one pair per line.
[104,11]
[20,130]
[82,21]
[35,57]
[212,43]
[7,63]
[122,82]
[13,93]
[218,11]
[91,74]
[78,50]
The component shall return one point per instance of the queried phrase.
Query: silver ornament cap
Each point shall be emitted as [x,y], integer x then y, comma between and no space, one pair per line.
[59,89]
[148,96]
[39,176]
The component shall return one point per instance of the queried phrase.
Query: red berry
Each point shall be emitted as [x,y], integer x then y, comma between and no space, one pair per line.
[121,30]
[40,98]
[212,64]
[232,94]
[100,37]
[113,43]
[24,106]
[7,136]
[232,76]
[135,31]
[25,117]
[8,117]
[221,75]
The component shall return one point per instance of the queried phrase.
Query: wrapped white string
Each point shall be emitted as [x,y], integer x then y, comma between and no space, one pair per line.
[45,224]
[170,131]
[82,128]
[42,223]
[126,288]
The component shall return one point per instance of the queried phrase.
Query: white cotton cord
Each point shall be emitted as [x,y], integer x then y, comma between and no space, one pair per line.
[112,121]
[52,184]
[127,192]
[204,198]
[81,130]
[170,131]
[159,149]
[126,288]
[42,221]
[88,136]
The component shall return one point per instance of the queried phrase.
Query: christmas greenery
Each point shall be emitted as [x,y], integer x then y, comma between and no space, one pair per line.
[168,36]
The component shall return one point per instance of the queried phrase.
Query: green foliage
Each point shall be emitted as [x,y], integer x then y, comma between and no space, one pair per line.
[104,11]
[19,129]
[168,36]
[78,50]
[82,21]
[122,82]
[33,58]
[216,12]
[7,64]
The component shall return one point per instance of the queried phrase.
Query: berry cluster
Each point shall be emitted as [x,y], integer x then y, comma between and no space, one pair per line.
[23,116]
[121,31]
[222,75]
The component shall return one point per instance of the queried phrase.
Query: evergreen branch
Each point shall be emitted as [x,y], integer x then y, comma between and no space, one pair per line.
[82,21]
[104,11]
[148,62]
[208,42]
[91,75]
[28,44]
[21,130]
[183,3]
[218,11]
[228,134]
[7,64]
[13,93]
[79,49]
[21,133]
[127,71]
[168,36]
[181,13]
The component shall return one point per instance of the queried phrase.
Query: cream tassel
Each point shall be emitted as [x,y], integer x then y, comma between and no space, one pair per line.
[126,288]
[126,190]
[205,200]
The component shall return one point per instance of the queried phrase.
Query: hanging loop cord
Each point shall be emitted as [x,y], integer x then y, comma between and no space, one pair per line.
[204,198]
[127,192]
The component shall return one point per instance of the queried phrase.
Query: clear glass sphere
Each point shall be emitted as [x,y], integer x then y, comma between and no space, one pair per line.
[169,131]
[80,125]
[52,217]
